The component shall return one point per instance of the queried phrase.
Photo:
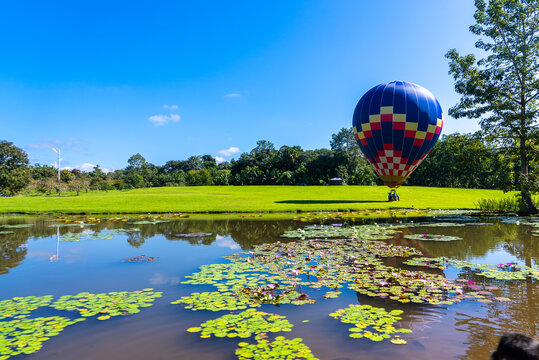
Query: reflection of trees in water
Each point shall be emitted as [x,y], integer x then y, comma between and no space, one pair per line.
[12,252]
[517,315]
[246,233]
[479,240]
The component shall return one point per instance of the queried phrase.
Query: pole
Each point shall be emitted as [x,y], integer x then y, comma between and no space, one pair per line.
[58,166]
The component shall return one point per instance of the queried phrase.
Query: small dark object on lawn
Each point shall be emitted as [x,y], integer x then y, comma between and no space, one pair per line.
[141,258]
[516,346]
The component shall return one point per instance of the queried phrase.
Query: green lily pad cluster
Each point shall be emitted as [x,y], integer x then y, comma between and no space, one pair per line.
[365,232]
[243,325]
[432,237]
[21,307]
[507,271]
[16,226]
[107,304]
[215,301]
[375,324]
[281,348]
[25,336]
[6,232]
[360,215]
[103,235]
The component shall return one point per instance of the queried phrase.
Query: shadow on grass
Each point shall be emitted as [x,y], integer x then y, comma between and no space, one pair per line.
[329,201]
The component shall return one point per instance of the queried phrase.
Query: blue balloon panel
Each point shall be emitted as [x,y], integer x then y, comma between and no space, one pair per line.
[396,125]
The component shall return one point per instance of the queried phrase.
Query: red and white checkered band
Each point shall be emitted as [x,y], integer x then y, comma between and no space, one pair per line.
[390,162]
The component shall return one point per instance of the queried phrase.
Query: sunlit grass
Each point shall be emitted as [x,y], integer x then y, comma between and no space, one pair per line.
[249,199]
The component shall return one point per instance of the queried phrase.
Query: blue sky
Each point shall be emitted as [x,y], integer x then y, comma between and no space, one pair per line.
[168,79]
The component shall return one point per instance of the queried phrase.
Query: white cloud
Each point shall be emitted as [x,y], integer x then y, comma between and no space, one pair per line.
[229,152]
[219,159]
[86,167]
[170,107]
[232,95]
[160,120]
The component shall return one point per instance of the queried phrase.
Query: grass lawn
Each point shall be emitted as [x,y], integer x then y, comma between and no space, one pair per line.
[248,199]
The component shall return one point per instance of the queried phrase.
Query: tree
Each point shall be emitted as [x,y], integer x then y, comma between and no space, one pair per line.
[14,173]
[502,89]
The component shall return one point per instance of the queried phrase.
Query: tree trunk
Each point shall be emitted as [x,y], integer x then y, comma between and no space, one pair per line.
[527,207]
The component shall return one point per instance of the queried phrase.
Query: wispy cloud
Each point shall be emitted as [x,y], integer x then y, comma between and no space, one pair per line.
[219,159]
[170,107]
[232,95]
[229,152]
[160,120]
[71,145]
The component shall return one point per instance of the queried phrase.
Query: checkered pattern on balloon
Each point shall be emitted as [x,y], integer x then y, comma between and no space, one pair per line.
[396,125]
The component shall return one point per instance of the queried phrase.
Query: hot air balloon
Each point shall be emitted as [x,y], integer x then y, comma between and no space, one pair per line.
[396,125]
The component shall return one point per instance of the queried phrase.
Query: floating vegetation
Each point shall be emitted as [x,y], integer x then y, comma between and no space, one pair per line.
[81,224]
[102,235]
[20,307]
[196,234]
[508,271]
[375,324]
[25,336]
[243,325]
[107,305]
[141,258]
[365,232]
[358,215]
[281,348]
[16,226]
[432,237]
[6,232]
[148,222]
[436,224]
[215,301]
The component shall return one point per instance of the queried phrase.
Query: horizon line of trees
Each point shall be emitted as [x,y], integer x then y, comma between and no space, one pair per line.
[457,160]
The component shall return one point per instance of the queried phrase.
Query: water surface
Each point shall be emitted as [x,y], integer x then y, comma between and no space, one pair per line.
[36,261]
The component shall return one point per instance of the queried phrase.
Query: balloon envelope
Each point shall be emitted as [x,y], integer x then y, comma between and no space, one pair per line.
[396,125]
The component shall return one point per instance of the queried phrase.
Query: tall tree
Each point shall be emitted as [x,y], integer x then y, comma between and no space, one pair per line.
[14,173]
[502,89]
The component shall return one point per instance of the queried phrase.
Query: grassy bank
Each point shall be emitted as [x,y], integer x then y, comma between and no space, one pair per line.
[248,199]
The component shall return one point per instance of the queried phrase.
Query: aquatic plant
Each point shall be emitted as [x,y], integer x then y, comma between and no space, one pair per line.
[107,304]
[508,271]
[102,235]
[375,324]
[215,301]
[196,234]
[141,258]
[6,232]
[281,348]
[16,226]
[243,325]
[364,232]
[25,336]
[20,307]
[432,237]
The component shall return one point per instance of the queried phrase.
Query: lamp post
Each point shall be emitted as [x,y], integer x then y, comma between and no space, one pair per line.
[58,152]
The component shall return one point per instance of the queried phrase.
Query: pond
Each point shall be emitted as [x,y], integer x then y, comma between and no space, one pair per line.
[467,280]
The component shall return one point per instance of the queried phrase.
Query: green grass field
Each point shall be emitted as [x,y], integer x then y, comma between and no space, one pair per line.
[247,199]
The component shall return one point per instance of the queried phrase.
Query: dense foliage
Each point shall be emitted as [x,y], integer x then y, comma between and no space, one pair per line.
[502,89]
[457,160]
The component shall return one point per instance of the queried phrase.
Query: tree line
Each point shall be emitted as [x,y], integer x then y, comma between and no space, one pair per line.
[457,160]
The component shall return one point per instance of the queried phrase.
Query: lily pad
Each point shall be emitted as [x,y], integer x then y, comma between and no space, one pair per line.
[281,348]
[375,324]
[25,336]
[111,304]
